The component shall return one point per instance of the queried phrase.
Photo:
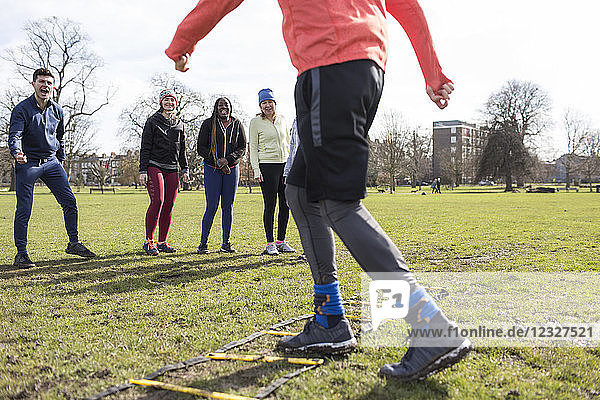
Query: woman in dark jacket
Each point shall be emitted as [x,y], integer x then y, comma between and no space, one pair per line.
[163,146]
[221,142]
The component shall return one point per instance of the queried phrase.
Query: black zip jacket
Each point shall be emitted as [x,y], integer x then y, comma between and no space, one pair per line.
[163,144]
[235,143]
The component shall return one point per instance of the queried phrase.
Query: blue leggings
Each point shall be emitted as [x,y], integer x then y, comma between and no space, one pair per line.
[219,186]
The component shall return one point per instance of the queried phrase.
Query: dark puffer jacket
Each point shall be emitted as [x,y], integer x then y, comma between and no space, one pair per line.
[163,144]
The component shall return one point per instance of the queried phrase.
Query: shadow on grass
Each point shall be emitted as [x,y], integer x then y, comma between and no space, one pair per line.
[134,271]
[205,378]
[393,389]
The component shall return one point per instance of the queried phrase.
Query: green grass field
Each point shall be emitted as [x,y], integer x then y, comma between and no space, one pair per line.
[71,328]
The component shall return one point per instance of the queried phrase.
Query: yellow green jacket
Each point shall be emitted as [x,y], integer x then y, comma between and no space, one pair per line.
[269,141]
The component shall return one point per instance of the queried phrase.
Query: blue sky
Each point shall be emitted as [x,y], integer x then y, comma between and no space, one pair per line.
[481,44]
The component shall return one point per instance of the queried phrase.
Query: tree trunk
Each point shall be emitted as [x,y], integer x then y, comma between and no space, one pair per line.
[12,179]
[509,183]
[567,178]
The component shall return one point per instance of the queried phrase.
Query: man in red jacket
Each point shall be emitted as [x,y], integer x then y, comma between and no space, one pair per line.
[340,51]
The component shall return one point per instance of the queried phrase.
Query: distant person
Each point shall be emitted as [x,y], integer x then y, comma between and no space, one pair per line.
[433,186]
[221,143]
[35,140]
[340,51]
[162,148]
[438,185]
[269,149]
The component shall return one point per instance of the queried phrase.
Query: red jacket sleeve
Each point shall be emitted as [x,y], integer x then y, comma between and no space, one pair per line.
[410,15]
[198,23]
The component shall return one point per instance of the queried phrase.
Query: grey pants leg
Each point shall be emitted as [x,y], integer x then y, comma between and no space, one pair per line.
[316,236]
[368,243]
[370,246]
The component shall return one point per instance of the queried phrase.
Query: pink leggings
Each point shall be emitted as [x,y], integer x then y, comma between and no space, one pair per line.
[162,188]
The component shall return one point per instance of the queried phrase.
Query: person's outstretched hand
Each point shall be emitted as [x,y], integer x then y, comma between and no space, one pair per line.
[442,96]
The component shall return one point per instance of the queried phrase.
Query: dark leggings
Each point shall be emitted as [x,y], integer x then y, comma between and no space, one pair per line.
[162,188]
[273,186]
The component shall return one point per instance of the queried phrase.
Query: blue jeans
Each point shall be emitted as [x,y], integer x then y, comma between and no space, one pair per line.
[219,186]
[55,177]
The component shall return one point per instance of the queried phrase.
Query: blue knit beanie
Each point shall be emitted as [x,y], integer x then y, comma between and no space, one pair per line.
[265,94]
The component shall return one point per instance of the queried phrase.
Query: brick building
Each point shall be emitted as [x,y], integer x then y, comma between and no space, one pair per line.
[457,146]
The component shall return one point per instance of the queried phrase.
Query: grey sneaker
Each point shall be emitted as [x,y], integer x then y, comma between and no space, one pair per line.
[421,360]
[336,340]
[271,249]
[285,248]
[22,260]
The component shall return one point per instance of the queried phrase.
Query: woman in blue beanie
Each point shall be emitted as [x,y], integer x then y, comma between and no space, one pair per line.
[269,149]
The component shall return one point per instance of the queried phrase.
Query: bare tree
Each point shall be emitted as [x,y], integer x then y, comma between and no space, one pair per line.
[575,128]
[451,167]
[246,174]
[62,46]
[374,164]
[101,172]
[9,98]
[192,106]
[590,152]
[417,151]
[390,151]
[513,115]
[129,168]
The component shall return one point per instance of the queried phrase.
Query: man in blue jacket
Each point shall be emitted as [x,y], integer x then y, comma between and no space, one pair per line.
[36,142]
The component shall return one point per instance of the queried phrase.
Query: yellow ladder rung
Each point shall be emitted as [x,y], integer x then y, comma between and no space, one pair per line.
[279,333]
[267,359]
[189,390]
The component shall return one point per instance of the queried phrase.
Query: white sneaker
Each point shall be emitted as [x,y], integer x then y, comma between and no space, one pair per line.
[284,247]
[271,249]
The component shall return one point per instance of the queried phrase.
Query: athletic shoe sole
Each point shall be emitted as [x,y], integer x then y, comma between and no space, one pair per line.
[344,347]
[446,360]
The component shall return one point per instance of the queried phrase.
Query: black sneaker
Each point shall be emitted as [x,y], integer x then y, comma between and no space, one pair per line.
[165,247]
[22,260]
[150,248]
[203,248]
[80,250]
[226,248]
[422,360]
[336,340]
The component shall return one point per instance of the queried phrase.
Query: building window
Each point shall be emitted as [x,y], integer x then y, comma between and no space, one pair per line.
[453,149]
[453,129]
[452,139]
